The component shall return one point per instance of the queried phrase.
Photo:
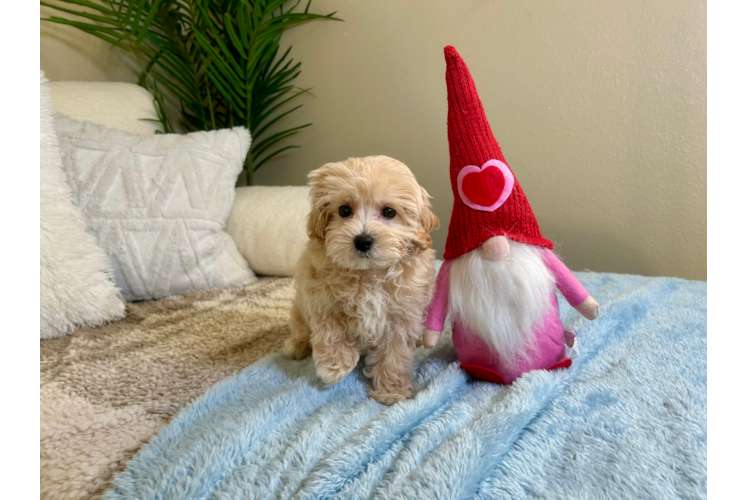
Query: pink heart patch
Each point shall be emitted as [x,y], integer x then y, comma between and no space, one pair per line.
[485,188]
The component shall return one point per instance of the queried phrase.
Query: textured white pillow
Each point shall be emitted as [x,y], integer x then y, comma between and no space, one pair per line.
[268,224]
[158,204]
[75,274]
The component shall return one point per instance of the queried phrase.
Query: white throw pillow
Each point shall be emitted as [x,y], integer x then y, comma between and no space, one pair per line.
[75,276]
[268,224]
[124,106]
[158,204]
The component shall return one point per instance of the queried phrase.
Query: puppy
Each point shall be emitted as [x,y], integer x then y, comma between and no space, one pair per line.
[366,275]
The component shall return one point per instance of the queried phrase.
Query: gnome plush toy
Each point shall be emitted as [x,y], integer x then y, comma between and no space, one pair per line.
[499,275]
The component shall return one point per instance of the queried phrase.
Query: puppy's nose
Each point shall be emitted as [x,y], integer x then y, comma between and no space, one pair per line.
[363,242]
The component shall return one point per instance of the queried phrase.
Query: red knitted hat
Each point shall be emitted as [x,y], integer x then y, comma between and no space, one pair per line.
[488,198]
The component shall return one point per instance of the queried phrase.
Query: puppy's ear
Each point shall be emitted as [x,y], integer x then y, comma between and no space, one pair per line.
[317,223]
[428,221]
[318,217]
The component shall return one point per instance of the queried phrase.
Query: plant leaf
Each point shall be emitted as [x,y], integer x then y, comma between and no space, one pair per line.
[263,145]
[218,60]
[274,153]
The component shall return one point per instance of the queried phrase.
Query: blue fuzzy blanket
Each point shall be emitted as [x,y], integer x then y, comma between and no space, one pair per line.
[627,420]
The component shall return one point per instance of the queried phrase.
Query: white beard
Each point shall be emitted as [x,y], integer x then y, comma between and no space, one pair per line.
[500,301]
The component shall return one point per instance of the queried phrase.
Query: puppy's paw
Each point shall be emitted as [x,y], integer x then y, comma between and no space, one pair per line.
[331,375]
[296,349]
[333,371]
[390,396]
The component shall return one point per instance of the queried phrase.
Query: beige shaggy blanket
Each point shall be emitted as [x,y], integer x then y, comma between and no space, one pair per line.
[105,391]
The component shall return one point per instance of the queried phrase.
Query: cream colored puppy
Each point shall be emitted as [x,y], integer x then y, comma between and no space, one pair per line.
[366,276]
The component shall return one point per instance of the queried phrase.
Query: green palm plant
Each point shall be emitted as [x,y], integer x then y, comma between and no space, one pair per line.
[219,59]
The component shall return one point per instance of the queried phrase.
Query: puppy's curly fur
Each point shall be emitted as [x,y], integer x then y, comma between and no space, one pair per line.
[352,302]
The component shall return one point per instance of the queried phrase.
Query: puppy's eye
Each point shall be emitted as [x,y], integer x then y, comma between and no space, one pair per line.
[388,212]
[345,211]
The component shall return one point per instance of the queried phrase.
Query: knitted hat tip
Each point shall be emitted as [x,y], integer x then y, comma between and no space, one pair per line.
[451,55]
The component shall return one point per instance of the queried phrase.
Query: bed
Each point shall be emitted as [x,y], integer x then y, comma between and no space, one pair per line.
[628,419]
[107,390]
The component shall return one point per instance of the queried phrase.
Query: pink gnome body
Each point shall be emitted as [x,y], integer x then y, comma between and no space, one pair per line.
[548,338]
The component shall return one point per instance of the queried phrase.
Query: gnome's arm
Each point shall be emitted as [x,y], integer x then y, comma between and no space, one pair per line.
[437,312]
[570,287]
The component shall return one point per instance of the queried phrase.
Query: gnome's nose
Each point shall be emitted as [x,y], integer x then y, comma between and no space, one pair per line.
[495,248]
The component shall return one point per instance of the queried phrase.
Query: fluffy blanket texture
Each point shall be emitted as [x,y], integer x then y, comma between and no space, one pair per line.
[627,420]
[105,391]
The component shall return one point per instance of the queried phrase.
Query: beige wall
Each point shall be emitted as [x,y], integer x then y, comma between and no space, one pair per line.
[599,107]
[70,54]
